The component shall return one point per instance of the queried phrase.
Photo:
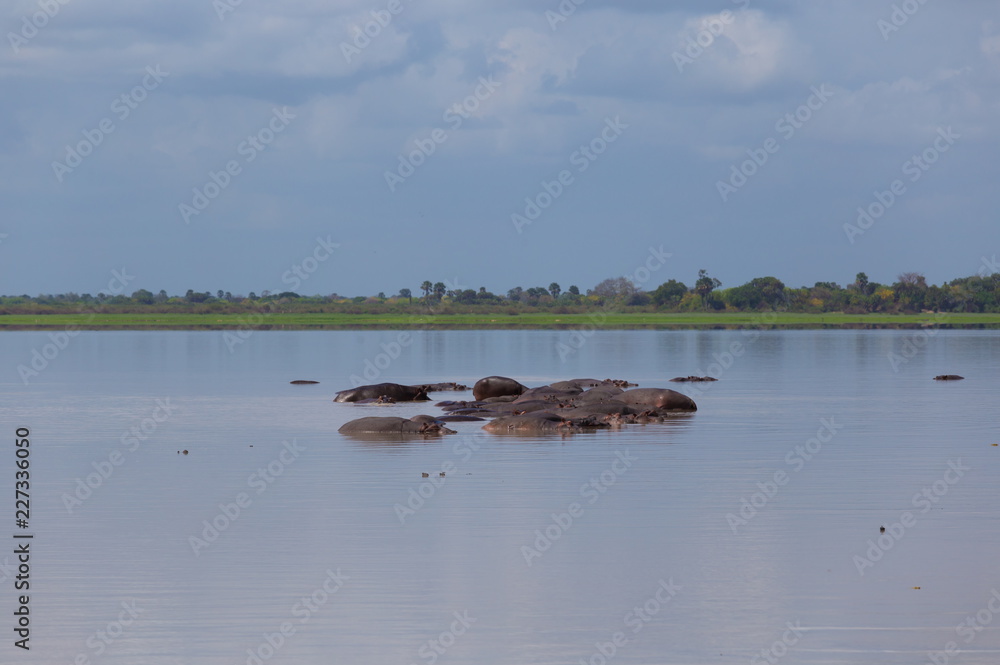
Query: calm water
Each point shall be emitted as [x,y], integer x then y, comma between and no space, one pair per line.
[656,558]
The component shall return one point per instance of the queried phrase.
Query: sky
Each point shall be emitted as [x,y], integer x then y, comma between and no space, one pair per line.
[357,147]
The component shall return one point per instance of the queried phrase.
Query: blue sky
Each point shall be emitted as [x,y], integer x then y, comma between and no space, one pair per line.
[375,144]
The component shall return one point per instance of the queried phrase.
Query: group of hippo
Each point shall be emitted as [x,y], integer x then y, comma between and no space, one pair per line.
[562,407]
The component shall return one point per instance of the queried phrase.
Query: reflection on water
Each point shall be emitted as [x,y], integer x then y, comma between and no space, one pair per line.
[703,539]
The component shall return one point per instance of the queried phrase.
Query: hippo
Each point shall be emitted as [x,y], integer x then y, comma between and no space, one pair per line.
[538,422]
[577,385]
[460,419]
[438,387]
[658,398]
[381,399]
[549,393]
[542,422]
[374,425]
[302,382]
[610,406]
[948,377]
[621,383]
[424,419]
[473,411]
[455,406]
[528,406]
[682,379]
[496,386]
[600,394]
[393,391]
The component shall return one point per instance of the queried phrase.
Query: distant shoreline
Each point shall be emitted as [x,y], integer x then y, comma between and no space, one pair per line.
[497,321]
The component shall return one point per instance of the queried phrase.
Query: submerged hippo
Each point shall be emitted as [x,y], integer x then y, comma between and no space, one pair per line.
[533,423]
[437,387]
[682,379]
[948,377]
[302,382]
[375,425]
[658,398]
[393,391]
[599,394]
[496,386]
[542,422]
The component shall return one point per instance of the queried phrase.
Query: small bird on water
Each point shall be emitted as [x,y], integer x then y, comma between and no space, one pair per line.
[881,529]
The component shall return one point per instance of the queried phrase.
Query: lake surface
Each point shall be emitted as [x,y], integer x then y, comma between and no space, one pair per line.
[625,546]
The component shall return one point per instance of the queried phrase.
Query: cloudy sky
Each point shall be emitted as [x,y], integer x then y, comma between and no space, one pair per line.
[373,144]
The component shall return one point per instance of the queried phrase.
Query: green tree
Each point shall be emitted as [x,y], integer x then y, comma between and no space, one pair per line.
[466,296]
[554,290]
[143,297]
[426,288]
[615,288]
[758,292]
[705,284]
[862,285]
[406,293]
[669,293]
[574,289]
[910,289]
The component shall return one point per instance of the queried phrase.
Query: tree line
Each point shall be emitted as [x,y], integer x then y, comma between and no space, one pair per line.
[910,293]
